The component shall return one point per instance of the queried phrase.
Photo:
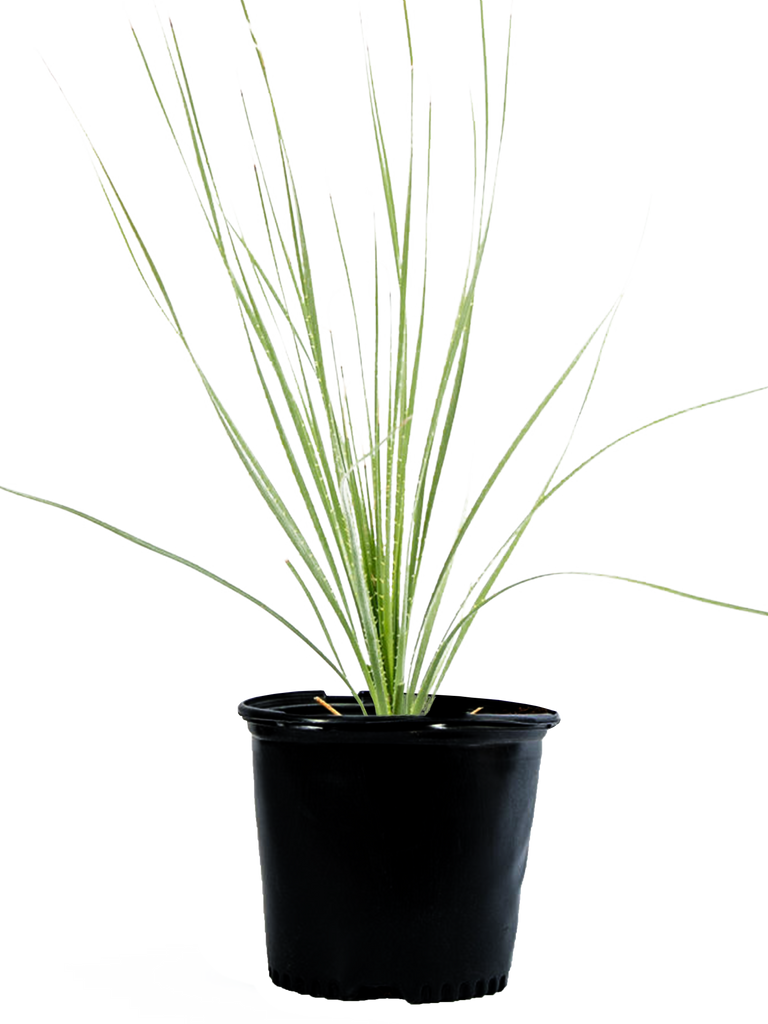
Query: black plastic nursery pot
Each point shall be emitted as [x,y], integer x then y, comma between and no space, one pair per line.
[393,849]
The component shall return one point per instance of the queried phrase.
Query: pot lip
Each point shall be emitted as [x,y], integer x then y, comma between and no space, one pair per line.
[298,709]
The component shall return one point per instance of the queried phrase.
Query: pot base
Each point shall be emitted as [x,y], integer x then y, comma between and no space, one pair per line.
[444,993]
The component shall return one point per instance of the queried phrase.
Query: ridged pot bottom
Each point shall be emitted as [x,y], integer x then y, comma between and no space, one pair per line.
[446,992]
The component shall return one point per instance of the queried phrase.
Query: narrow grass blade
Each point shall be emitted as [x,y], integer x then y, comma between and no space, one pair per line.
[110,528]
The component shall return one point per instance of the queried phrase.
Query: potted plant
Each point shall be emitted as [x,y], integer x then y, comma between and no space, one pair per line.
[367,461]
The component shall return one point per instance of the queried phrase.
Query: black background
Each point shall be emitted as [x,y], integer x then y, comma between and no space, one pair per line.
[130,794]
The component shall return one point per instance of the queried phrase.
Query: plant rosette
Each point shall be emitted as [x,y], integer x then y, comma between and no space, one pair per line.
[358,525]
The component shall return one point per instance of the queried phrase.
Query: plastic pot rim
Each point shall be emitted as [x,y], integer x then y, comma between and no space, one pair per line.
[297,712]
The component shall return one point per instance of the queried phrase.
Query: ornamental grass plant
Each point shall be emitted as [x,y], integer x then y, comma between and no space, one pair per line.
[365,440]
